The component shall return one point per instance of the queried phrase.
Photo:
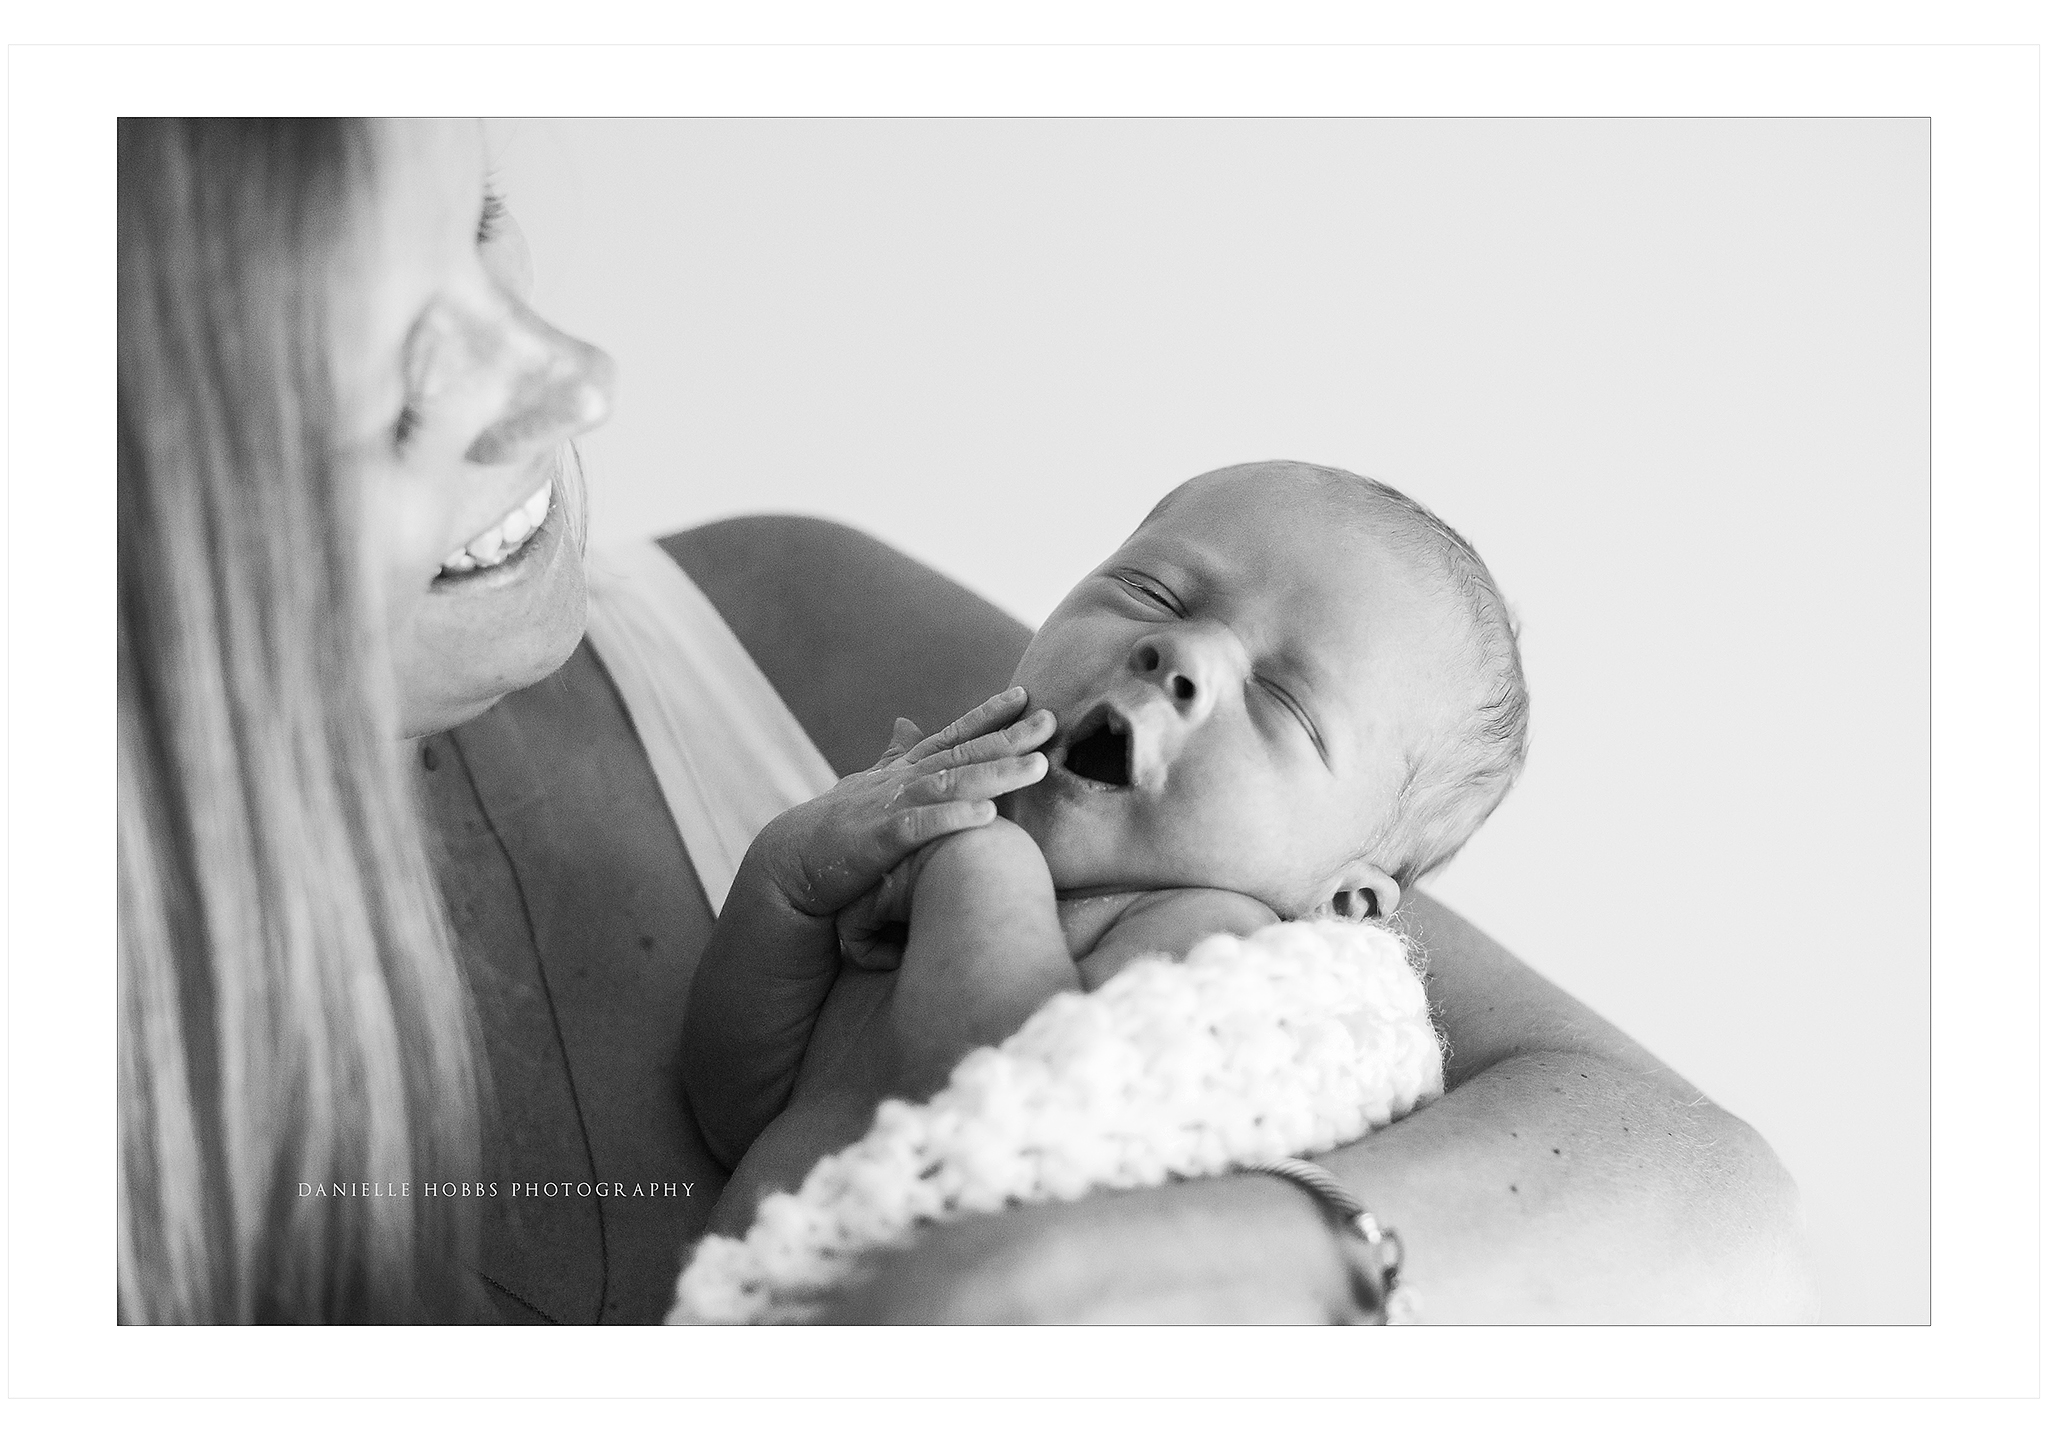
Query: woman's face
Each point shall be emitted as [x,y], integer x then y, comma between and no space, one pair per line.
[457,404]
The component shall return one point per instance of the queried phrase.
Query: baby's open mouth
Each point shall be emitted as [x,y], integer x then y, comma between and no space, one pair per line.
[1099,748]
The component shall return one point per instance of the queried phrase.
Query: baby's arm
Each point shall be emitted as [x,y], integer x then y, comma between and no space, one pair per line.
[987,946]
[985,952]
[986,949]
[774,953]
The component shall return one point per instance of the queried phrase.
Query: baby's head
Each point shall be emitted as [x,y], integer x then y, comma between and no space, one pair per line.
[1290,682]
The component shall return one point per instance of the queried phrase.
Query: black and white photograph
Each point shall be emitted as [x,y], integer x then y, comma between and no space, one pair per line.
[1037,814]
[1146,724]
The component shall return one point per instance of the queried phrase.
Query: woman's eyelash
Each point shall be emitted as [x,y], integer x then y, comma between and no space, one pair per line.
[490,222]
[491,219]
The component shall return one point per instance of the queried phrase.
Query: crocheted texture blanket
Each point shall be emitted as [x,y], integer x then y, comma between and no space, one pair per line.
[1299,1038]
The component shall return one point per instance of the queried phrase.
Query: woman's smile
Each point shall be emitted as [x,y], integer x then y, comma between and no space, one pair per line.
[462,405]
[500,547]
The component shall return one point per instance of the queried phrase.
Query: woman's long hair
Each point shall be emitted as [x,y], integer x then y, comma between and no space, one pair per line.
[290,1014]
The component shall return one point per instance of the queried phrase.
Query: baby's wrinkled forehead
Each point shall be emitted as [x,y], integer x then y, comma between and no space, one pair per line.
[1280,523]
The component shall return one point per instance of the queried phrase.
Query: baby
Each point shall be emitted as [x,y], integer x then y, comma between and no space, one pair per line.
[1292,692]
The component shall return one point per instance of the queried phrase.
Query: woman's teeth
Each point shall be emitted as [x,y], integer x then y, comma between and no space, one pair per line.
[496,544]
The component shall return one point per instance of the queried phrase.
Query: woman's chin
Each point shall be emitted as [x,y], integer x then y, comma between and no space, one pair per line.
[476,638]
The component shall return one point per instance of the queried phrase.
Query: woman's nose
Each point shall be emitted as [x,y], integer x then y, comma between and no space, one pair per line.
[563,387]
[1187,664]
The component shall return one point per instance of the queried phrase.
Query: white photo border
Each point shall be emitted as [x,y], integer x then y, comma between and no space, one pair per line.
[1983,101]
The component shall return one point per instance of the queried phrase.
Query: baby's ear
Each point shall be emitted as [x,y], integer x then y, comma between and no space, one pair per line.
[1362,890]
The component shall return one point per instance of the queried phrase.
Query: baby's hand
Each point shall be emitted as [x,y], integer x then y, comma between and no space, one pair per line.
[873,929]
[829,852]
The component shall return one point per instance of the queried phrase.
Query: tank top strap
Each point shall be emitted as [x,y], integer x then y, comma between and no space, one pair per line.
[727,752]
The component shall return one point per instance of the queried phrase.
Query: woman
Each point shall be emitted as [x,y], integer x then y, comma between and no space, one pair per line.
[290,1012]
[1567,1174]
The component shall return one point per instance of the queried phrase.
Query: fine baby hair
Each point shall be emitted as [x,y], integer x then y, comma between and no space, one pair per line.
[1451,787]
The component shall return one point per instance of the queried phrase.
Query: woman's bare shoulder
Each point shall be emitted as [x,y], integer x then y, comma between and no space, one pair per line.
[851,632]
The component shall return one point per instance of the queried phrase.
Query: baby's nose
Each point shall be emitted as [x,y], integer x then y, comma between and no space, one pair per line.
[1186,665]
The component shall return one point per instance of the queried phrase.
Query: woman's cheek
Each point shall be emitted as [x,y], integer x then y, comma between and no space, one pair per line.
[405,534]
[509,259]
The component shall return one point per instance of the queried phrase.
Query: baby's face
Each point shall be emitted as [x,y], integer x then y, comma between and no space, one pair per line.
[1239,689]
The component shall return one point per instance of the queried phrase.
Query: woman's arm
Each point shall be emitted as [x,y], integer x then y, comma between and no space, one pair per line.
[1567,1175]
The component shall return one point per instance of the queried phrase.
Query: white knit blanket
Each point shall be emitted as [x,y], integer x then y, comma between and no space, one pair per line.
[1299,1038]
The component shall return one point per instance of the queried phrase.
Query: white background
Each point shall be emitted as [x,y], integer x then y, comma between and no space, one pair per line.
[1670,377]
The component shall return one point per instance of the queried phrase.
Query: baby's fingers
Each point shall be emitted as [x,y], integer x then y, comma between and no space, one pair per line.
[901,740]
[1021,737]
[913,828]
[992,713]
[977,780]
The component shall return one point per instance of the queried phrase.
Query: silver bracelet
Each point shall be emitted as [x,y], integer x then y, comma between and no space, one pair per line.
[1372,1252]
